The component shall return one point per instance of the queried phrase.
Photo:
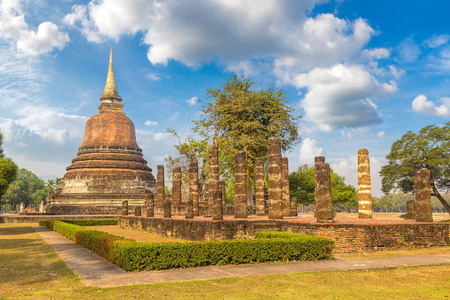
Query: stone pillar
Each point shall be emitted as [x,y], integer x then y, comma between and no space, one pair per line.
[160,193]
[240,184]
[41,207]
[213,182]
[322,191]
[176,186]
[364,185]
[167,208]
[125,208]
[275,180]
[193,187]
[21,207]
[410,210]
[206,193]
[137,210]
[294,210]
[150,203]
[217,206]
[285,187]
[222,189]
[259,188]
[422,192]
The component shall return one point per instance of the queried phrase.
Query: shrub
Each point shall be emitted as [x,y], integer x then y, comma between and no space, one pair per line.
[99,242]
[92,222]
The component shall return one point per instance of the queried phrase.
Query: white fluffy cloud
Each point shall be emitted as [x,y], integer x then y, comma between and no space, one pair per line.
[14,27]
[276,36]
[437,40]
[192,101]
[151,123]
[308,151]
[341,96]
[423,105]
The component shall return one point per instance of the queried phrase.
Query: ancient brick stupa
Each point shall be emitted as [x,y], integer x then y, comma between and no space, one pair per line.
[109,167]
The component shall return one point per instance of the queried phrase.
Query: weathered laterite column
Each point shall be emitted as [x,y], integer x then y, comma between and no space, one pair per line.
[240,184]
[150,205]
[176,186]
[160,193]
[322,191]
[285,187]
[259,188]
[137,210]
[222,189]
[364,185]
[167,208]
[193,187]
[41,207]
[294,207]
[21,207]
[217,206]
[124,208]
[275,180]
[411,210]
[422,192]
[213,182]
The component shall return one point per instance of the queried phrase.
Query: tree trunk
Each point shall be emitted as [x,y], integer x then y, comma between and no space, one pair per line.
[439,196]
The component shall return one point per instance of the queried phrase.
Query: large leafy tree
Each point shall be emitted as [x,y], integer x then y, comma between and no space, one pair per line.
[27,188]
[301,184]
[429,148]
[238,117]
[8,171]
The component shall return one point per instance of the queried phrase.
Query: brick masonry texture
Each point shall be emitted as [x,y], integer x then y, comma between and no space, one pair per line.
[364,185]
[274,175]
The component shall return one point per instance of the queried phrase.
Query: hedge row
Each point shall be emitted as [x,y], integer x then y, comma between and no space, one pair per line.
[136,256]
[92,222]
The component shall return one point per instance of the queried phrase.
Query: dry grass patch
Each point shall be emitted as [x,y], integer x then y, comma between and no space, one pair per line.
[138,236]
[29,264]
[397,252]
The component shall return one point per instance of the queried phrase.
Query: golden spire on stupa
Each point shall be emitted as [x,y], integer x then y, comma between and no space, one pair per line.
[110,93]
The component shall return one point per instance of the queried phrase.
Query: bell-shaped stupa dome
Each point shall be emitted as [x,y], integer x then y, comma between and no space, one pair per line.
[109,167]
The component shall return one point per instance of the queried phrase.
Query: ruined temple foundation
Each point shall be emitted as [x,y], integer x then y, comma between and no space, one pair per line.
[109,167]
[275,180]
[422,187]
[364,185]
[259,188]
[322,191]
[240,185]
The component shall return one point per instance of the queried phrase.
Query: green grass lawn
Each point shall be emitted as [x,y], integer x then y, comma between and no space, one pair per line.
[30,269]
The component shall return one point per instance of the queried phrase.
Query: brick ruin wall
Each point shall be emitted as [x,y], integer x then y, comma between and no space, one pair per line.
[348,237]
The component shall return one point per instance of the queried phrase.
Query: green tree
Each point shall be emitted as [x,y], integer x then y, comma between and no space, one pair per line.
[238,117]
[8,171]
[27,188]
[302,183]
[430,148]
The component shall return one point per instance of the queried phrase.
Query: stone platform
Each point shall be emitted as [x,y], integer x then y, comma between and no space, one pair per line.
[350,234]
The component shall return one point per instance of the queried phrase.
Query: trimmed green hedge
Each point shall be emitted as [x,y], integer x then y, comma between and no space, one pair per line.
[268,246]
[92,222]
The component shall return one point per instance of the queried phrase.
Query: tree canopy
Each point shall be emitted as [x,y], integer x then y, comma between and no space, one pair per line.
[302,182]
[8,170]
[429,148]
[27,188]
[237,117]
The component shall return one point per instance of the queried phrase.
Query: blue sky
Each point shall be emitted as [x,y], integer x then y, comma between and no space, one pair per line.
[361,73]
